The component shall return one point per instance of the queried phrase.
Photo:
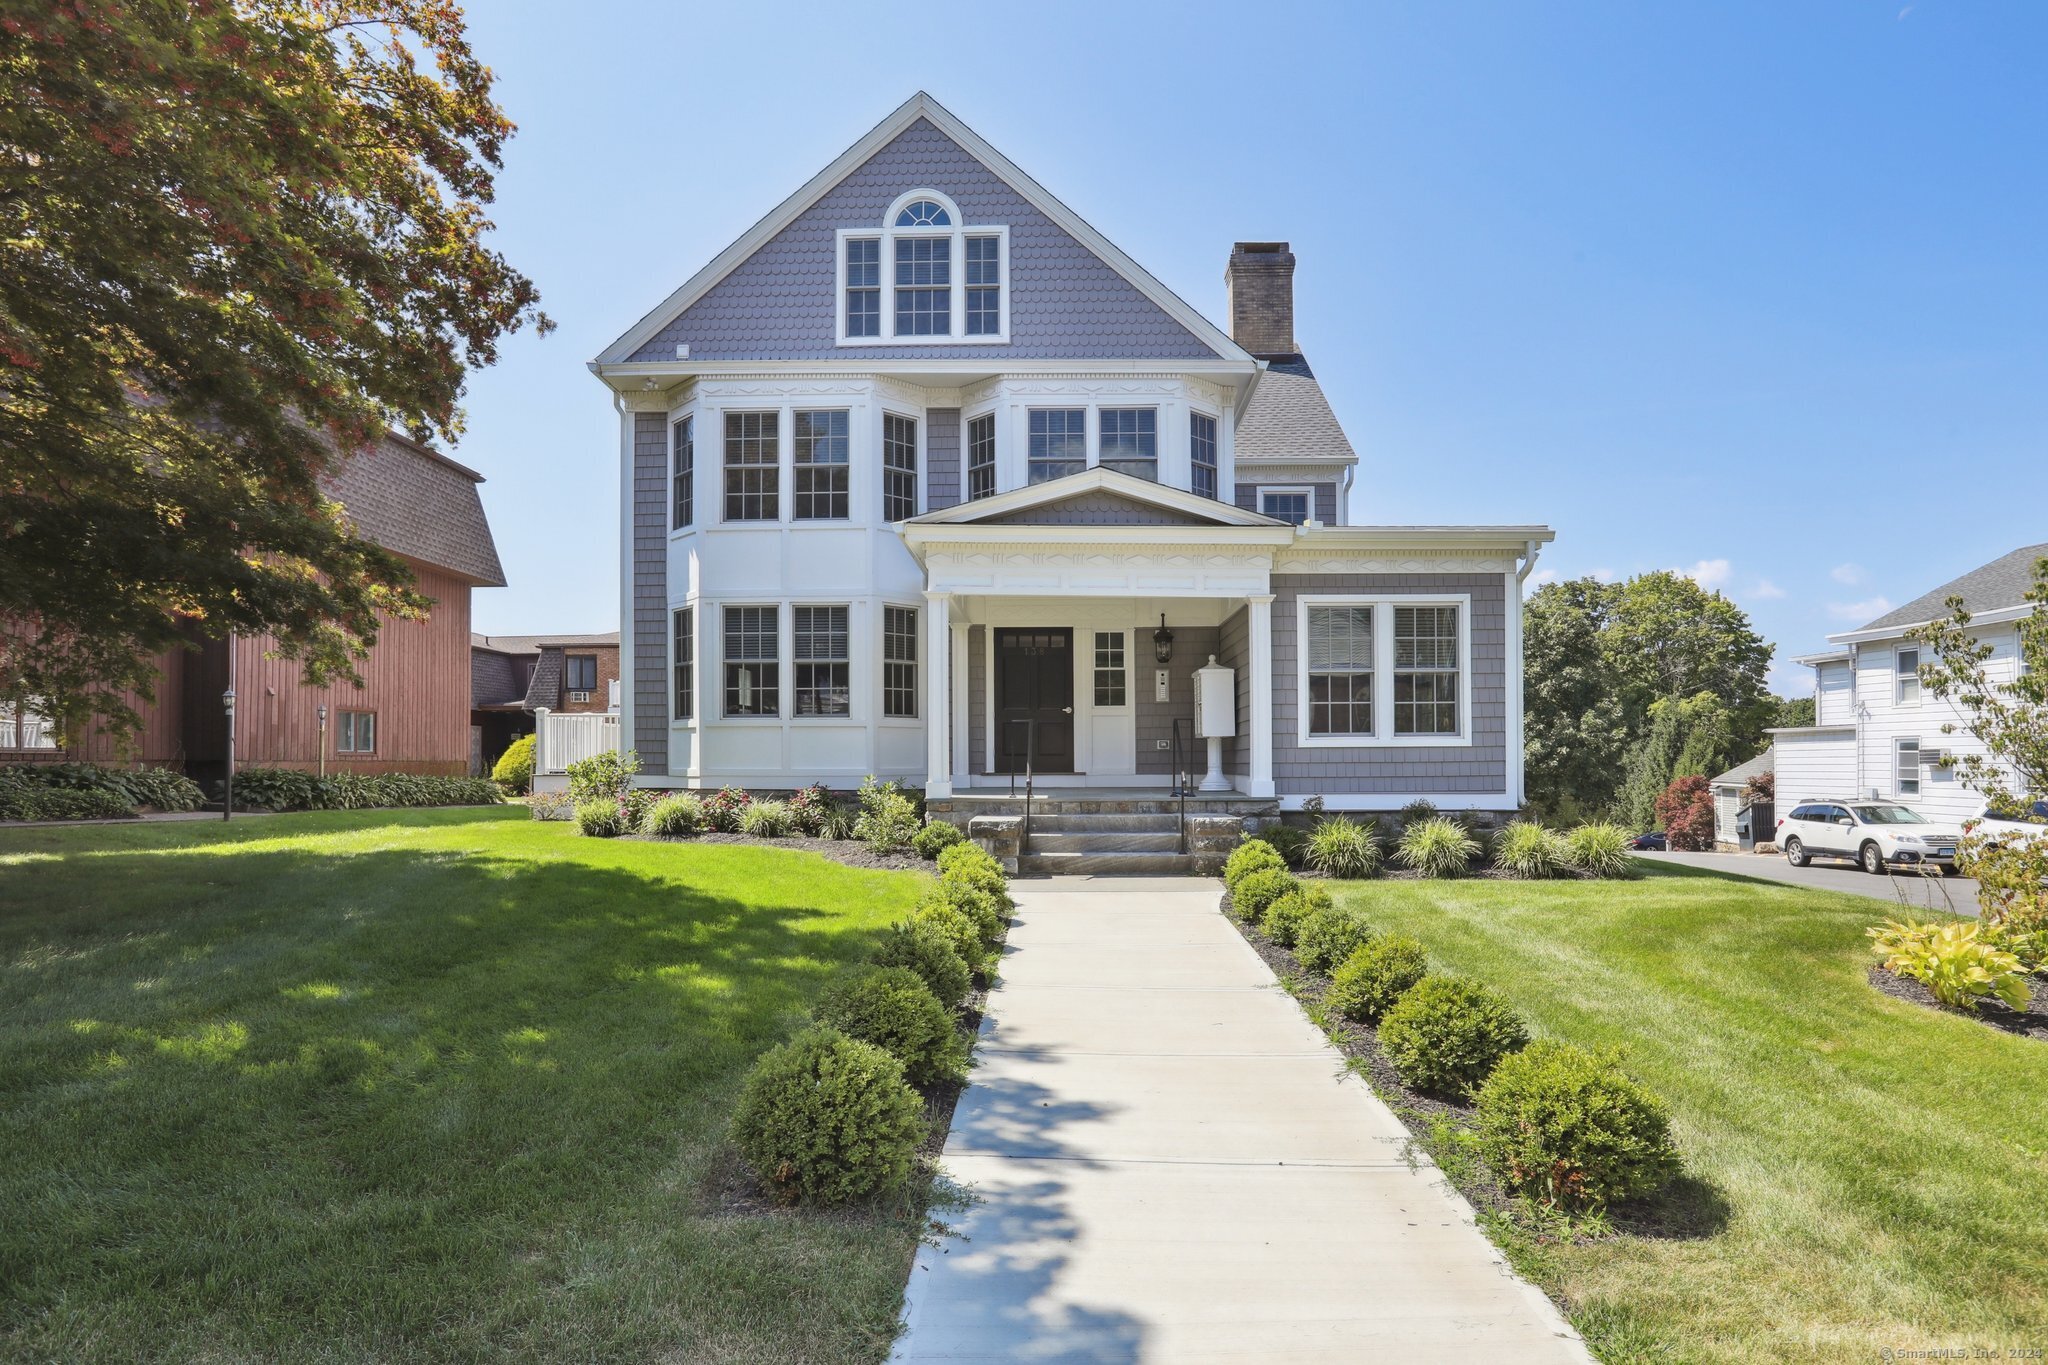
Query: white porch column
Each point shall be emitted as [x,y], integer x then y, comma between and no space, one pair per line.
[957,711]
[938,637]
[1259,626]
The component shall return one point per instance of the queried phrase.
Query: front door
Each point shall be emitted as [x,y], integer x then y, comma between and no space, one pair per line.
[1035,684]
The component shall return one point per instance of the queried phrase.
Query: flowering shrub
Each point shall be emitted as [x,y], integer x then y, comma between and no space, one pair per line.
[1686,810]
[888,819]
[809,808]
[724,809]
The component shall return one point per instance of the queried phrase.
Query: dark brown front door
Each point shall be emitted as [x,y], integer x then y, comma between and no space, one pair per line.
[1035,682]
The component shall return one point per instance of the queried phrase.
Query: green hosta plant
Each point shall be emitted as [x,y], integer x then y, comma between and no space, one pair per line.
[1527,850]
[1953,961]
[1341,847]
[1437,848]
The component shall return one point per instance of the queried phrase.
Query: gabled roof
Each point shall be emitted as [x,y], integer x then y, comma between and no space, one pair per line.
[1289,419]
[1088,493]
[919,106]
[1739,776]
[415,501]
[533,644]
[1995,586]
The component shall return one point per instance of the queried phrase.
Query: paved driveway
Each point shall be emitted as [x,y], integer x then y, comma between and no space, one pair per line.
[1919,893]
[1173,1165]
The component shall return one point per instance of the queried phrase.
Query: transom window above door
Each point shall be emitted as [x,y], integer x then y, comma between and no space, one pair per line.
[923,275]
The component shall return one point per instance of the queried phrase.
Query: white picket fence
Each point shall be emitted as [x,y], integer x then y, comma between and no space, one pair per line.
[564,739]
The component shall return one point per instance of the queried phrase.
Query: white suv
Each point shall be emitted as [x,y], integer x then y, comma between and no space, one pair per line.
[1874,833]
[2031,823]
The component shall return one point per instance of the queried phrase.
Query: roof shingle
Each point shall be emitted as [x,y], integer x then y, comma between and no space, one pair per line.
[2001,583]
[418,503]
[1290,419]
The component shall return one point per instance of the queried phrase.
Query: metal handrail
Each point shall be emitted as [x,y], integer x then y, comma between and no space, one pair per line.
[1030,724]
[1182,778]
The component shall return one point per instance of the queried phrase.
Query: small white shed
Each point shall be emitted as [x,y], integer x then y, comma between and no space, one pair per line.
[1728,791]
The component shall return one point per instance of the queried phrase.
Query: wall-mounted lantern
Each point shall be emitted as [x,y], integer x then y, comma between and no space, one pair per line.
[1162,642]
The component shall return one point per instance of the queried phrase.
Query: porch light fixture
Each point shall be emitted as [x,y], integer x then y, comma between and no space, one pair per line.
[227,703]
[1162,642]
[321,711]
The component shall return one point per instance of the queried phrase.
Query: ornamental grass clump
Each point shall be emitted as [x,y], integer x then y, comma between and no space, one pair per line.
[1285,916]
[1329,936]
[827,1119]
[674,817]
[935,838]
[1445,1034]
[1258,890]
[1599,849]
[1530,852]
[1253,855]
[603,818]
[1376,975]
[895,1010]
[767,820]
[1437,848]
[1341,847]
[924,948]
[1571,1130]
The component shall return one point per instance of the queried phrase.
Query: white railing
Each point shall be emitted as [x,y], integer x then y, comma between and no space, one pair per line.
[563,739]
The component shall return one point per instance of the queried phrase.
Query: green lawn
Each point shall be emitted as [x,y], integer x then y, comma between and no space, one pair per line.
[413,1085]
[1884,1167]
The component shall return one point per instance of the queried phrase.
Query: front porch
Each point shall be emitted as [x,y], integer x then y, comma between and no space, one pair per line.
[1106,831]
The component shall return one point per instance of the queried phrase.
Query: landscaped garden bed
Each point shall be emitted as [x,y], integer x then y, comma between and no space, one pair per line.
[2028,1021]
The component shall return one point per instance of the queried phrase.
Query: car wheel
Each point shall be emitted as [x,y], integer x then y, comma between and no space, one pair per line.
[1795,853]
[1873,860]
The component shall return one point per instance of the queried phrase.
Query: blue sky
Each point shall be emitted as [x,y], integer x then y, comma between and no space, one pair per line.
[1756,291]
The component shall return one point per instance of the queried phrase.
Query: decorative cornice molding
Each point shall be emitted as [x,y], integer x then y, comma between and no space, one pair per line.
[1420,562]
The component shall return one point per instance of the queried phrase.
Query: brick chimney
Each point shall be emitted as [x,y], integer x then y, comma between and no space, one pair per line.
[1260,283]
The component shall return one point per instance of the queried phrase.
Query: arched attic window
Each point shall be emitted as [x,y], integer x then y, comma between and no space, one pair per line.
[924,276]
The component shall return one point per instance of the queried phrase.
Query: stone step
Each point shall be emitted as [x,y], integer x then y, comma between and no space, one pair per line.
[1103,841]
[1105,865]
[1090,824]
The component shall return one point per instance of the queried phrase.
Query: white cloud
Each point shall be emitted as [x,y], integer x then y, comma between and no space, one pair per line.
[1868,610]
[1766,591]
[1847,574]
[1791,680]
[1542,576]
[1604,575]
[1709,573]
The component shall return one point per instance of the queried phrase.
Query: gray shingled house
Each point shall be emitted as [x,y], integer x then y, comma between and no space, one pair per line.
[924,477]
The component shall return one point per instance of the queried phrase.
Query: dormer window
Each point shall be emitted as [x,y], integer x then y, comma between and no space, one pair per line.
[946,280]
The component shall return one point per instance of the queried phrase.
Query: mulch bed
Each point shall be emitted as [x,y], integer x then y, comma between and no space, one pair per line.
[2031,1022]
[851,852]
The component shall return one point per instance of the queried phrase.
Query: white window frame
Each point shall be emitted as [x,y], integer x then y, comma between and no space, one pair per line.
[1383,736]
[995,421]
[1900,677]
[683,712]
[346,744]
[1907,786]
[1307,491]
[787,645]
[916,663]
[783,626]
[1195,410]
[956,317]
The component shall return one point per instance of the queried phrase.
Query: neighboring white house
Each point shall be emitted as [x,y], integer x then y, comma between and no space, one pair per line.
[1878,731]
[923,472]
[1730,791]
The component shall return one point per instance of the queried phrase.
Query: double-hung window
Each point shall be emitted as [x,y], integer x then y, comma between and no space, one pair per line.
[819,654]
[358,733]
[1426,670]
[819,466]
[1130,441]
[1906,752]
[899,662]
[685,661]
[1340,669]
[981,457]
[752,669]
[1290,505]
[753,467]
[1058,443]
[579,673]
[1202,454]
[899,467]
[683,453]
[984,286]
[924,286]
[1907,666]
[1112,676]
[863,287]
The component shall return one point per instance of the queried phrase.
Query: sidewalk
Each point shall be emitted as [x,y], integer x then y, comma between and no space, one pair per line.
[1174,1166]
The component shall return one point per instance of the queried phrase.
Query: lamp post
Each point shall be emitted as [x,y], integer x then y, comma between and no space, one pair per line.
[321,711]
[227,701]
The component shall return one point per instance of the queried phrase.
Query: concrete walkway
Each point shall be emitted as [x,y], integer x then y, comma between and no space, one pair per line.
[1174,1166]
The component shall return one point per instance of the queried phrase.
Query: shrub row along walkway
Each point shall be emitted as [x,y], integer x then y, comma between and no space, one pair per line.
[1172,1164]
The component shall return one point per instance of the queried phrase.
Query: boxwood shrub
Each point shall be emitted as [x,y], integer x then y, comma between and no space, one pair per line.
[827,1119]
[1257,890]
[1570,1129]
[1329,936]
[1253,855]
[975,902]
[1284,917]
[892,1008]
[1445,1034]
[935,838]
[924,948]
[1368,982]
[514,769]
[1289,841]
[958,927]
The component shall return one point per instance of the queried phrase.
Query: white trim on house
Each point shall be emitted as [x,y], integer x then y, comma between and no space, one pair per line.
[920,105]
[1306,492]
[956,288]
[1095,479]
[1997,616]
[1383,735]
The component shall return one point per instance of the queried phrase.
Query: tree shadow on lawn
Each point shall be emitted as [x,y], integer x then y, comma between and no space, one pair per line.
[268,1096]
[1689,1208]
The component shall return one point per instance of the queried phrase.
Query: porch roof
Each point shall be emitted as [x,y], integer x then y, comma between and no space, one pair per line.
[1182,509]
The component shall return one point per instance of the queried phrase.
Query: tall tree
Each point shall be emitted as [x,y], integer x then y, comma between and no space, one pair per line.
[1576,731]
[2009,718]
[1670,637]
[236,238]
